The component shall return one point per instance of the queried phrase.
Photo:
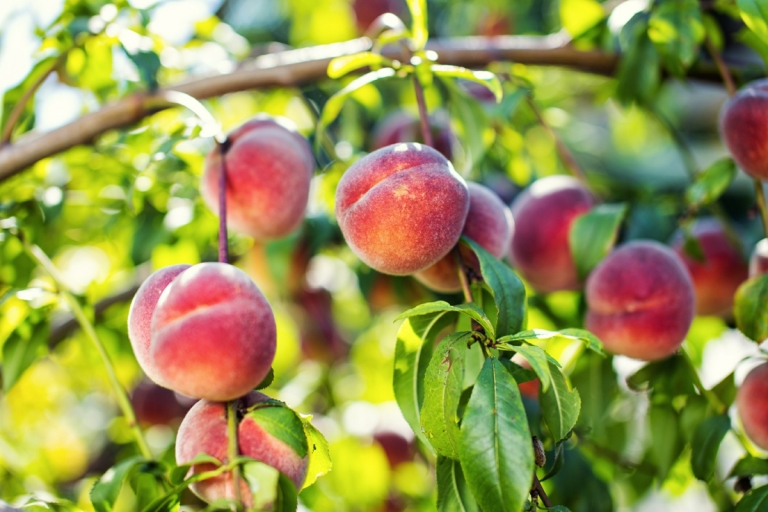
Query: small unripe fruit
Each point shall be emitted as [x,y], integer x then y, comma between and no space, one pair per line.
[758,263]
[543,215]
[716,279]
[744,128]
[204,430]
[640,301]
[269,167]
[401,208]
[489,224]
[213,333]
[140,316]
[751,404]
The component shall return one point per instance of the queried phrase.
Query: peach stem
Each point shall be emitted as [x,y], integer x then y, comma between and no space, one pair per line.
[123,401]
[233,451]
[721,66]
[761,205]
[423,115]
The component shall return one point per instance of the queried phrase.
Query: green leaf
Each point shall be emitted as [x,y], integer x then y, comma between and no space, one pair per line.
[148,64]
[443,383]
[537,358]
[559,405]
[267,381]
[593,235]
[592,342]
[755,16]
[578,16]
[282,423]
[472,310]
[706,442]
[725,390]
[638,75]
[557,464]
[412,354]
[507,290]
[665,438]
[471,124]
[486,78]
[319,452]
[495,447]
[340,66]
[287,496]
[21,349]
[749,466]
[333,106]
[676,28]
[453,495]
[710,184]
[749,308]
[755,500]
[105,490]
[419,30]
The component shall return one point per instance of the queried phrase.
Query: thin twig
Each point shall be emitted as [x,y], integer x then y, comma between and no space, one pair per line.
[18,109]
[721,66]
[565,154]
[426,133]
[761,204]
[85,324]
[539,491]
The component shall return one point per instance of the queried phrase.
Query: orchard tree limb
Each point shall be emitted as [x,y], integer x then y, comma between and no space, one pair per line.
[301,66]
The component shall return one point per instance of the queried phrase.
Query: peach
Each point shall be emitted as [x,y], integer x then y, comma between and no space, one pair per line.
[213,333]
[640,301]
[752,406]
[401,126]
[140,316]
[489,223]
[401,208]
[269,167]
[204,430]
[543,215]
[155,405]
[366,11]
[744,128]
[758,263]
[716,279]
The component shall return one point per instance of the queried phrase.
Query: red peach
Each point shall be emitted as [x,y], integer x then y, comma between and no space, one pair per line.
[543,215]
[140,316]
[744,128]
[752,407]
[204,430]
[366,11]
[269,167]
[401,126]
[758,263]
[155,405]
[397,448]
[640,301]
[401,208]
[489,223]
[213,333]
[716,279]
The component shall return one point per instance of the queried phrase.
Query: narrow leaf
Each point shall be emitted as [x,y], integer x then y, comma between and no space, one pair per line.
[472,310]
[537,358]
[710,184]
[412,354]
[319,453]
[283,424]
[287,496]
[706,443]
[578,16]
[749,466]
[105,490]
[486,78]
[593,235]
[591,341]
[443,383]
[559,405]
[755,16]
[340,66]
[749,308]
[453,495]
[419,30]
[495,446]
[507,290]
[19,352]
[755,500]
[665,444]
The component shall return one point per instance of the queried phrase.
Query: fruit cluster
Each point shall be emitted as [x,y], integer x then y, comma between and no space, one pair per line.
[207,331]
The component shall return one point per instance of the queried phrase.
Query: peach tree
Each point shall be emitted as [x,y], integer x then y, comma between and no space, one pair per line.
[476,271]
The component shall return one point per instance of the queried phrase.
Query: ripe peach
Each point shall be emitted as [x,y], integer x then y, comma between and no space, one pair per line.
[140,316]
[489,223]
[744,128]
[155,405]
[543,214]
[401,208]
[213,333]
[640,301]
[204,430]
[366,11]
[716,279]
[750,402]
[397,448]
[401,126]
[269,167]
[758,263]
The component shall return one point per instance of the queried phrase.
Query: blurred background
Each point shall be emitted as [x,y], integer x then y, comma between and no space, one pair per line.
[111,213]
